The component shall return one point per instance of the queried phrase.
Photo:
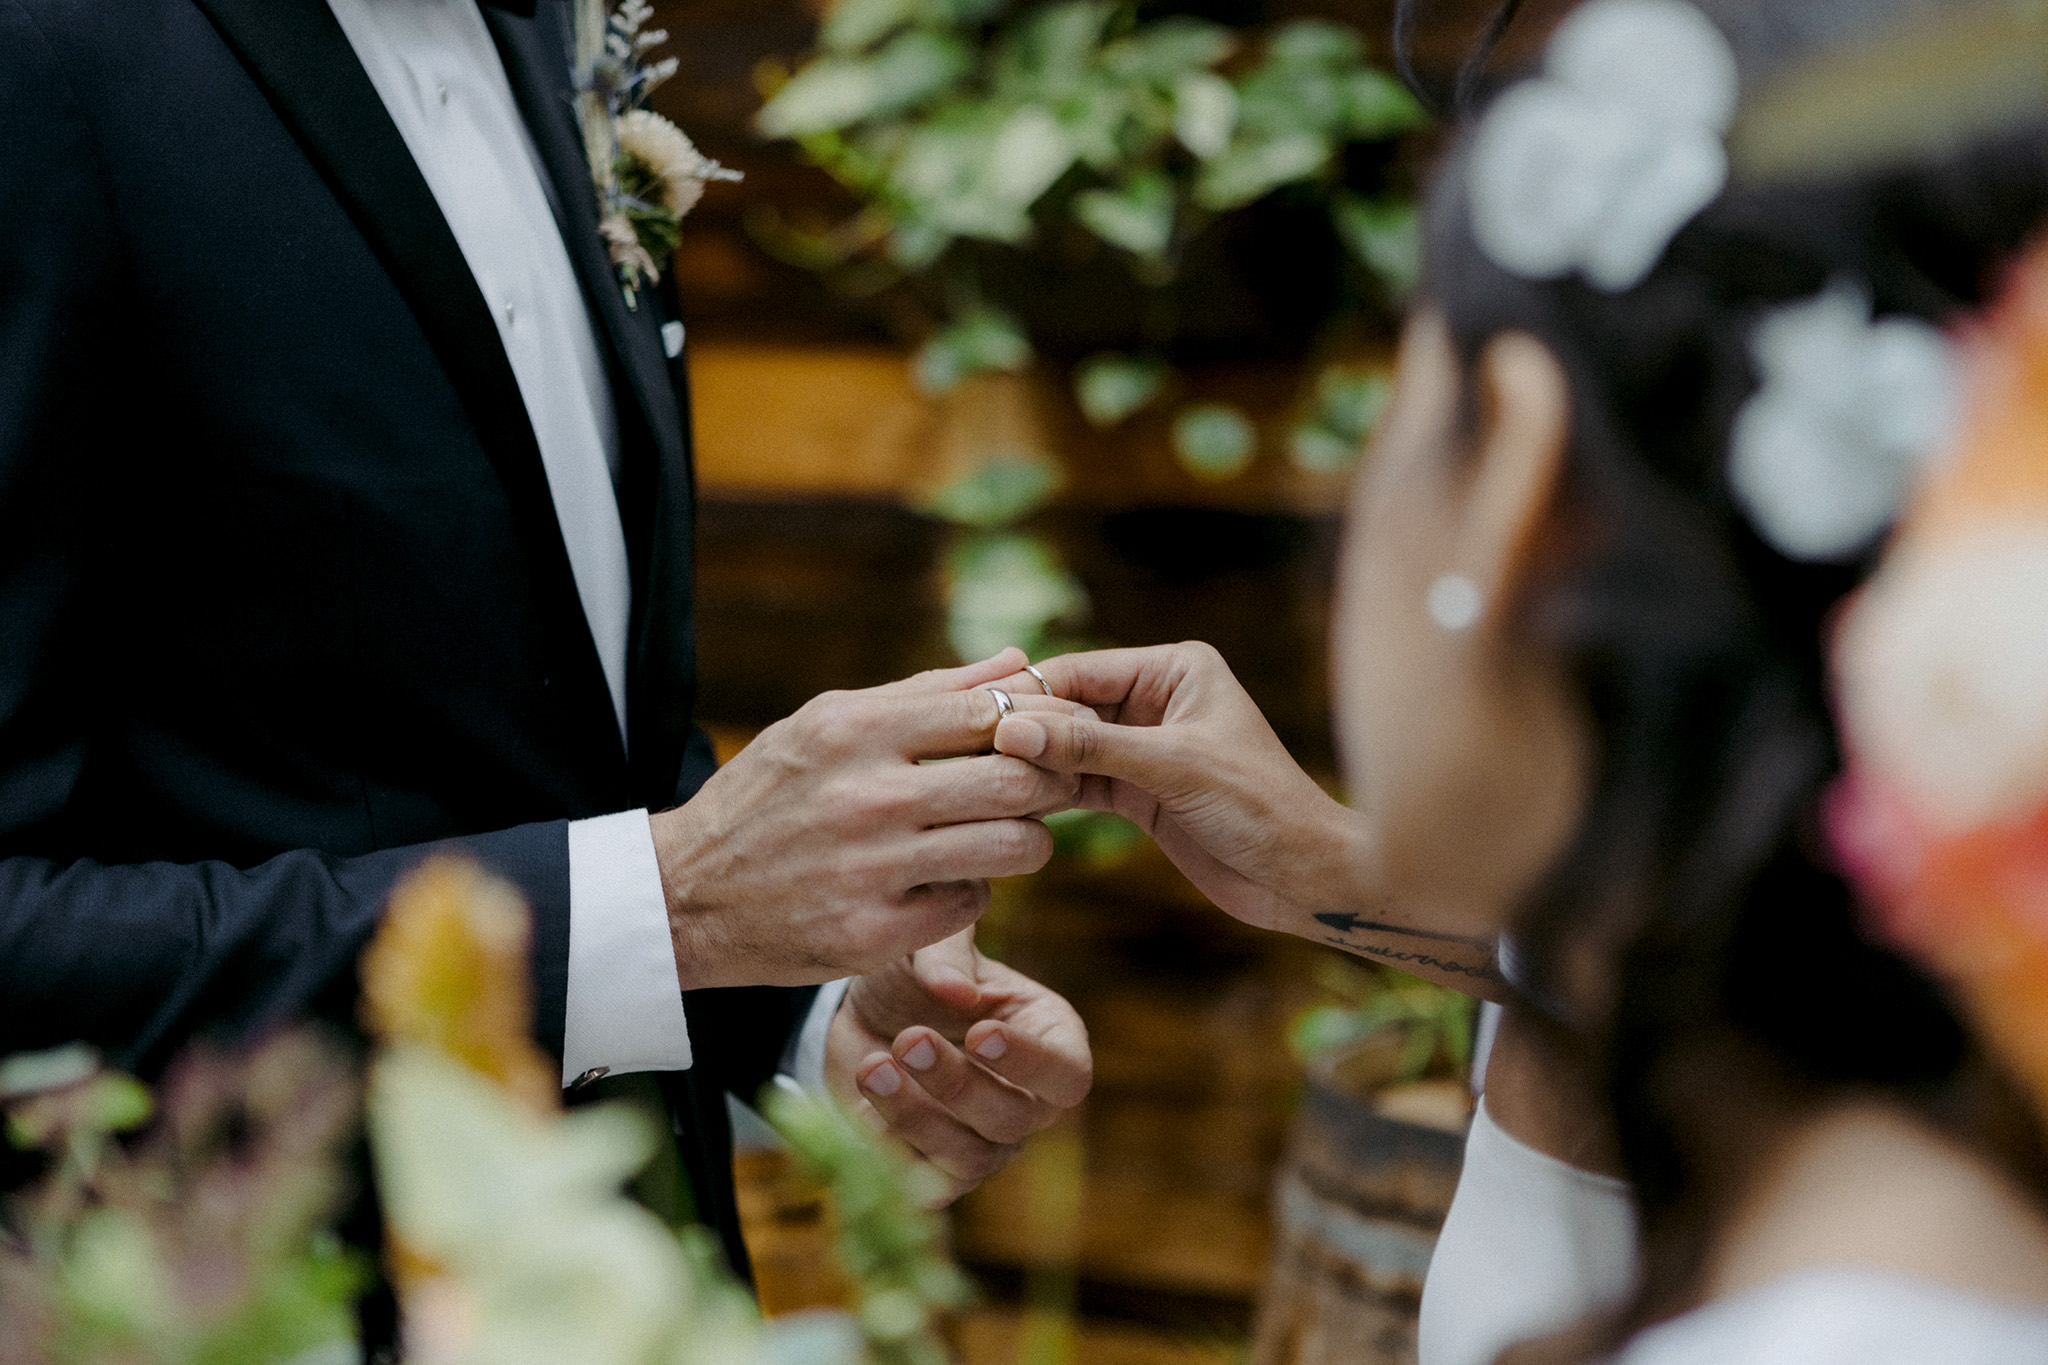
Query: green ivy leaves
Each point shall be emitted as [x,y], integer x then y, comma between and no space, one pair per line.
[962,131]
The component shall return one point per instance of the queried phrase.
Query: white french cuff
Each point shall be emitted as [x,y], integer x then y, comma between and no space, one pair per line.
[625,1007]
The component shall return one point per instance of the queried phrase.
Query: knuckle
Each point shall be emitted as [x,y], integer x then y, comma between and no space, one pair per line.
[839,794]
[1030,844]
[1082,744]
[1011,1127]
[966,900]
[1012,842]
[886,795]
[836,721]
[1016,785]
[945,1084]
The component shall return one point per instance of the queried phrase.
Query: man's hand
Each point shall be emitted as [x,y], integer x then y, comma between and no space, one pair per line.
[828,847]
[957,1057]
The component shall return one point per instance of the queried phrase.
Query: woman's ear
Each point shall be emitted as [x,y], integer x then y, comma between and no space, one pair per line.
[1511,480]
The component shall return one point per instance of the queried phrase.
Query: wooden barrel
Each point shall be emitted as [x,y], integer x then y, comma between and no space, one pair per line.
[1357,1203]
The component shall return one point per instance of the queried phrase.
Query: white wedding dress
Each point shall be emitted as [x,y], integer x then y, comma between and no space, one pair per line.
[1530,1245]
[1847,1316]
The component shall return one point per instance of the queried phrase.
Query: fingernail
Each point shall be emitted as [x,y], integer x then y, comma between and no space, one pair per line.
[991,1047]
[884,1080]
[921,1056]
[1020,738]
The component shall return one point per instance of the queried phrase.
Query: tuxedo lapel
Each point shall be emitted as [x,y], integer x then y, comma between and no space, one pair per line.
[654,487]
[298,54]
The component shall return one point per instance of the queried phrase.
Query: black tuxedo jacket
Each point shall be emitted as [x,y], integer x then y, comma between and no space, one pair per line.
[283,599]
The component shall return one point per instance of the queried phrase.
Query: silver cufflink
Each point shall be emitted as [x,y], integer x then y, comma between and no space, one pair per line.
[596,1073]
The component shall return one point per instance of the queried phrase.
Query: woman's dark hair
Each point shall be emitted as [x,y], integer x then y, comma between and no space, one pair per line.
[1699,876]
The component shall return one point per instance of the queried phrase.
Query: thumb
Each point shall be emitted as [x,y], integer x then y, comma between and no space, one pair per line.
[950,971]
[1087,745]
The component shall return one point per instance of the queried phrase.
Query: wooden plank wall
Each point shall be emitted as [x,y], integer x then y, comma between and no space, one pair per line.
[817,571]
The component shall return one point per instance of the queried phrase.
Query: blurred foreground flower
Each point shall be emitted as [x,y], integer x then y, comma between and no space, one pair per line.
[204,1240]
[1941,665]
[512,1240]
[890,1241]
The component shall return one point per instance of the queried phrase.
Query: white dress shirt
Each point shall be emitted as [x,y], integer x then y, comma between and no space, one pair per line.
[436,69]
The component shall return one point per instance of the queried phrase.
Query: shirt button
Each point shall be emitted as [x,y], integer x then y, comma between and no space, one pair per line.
[441,93]
[510,312]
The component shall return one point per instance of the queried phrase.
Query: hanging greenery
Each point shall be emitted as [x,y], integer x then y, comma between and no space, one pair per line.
[975,133]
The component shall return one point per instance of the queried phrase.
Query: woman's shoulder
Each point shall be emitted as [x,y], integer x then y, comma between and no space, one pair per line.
[1847,1317]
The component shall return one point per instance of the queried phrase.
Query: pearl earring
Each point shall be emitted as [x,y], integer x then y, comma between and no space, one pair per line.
[1455,602]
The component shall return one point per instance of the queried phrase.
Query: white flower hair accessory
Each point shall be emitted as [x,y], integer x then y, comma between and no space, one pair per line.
[1848,414]
[1595,165]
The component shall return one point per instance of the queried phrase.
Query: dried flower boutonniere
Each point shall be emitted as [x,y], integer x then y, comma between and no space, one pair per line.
[648,174]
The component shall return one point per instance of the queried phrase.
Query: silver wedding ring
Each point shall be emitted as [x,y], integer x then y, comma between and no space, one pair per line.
[1004,706]
[1043,685]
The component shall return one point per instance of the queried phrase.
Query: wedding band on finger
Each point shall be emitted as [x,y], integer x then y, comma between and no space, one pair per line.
[1039,678]
[1004,706]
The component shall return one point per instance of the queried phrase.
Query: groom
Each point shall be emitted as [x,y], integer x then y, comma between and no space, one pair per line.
[345,513]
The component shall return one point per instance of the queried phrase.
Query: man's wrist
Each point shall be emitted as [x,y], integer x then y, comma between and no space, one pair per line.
[673,856]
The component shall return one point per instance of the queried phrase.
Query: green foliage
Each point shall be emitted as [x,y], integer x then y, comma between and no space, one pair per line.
[1007,589]
[1347,407]
[959,119]
[996,122]
[1000,490]
[981,341]
[1213,440]
[1111,387]
[890,1241]
[1094,837]
[1385,236]
[1433,1023]
[657,227]
[1013,128]
[1136,215]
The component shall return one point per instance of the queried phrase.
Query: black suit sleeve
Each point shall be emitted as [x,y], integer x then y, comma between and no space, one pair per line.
[138,959]
[134,958]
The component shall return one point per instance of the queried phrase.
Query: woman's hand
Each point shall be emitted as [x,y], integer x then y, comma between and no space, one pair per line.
[1177,746]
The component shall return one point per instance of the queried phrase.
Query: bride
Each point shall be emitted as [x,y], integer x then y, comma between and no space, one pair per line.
[1711,299]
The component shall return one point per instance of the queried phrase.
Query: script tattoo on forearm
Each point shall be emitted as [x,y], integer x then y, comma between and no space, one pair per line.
[1457,964]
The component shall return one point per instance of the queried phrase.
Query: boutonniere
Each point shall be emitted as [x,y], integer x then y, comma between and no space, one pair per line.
[647,172]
